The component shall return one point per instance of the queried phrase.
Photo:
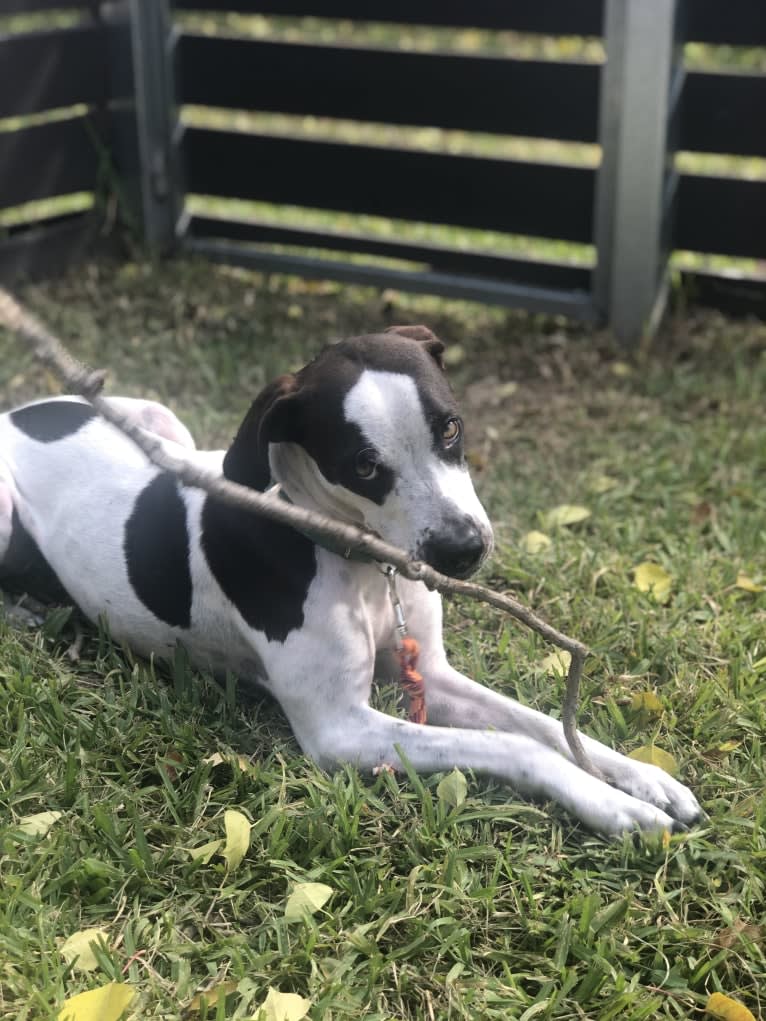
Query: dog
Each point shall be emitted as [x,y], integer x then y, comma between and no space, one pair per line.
[369,432]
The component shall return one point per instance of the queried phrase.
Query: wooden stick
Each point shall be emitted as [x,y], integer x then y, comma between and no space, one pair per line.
[89,383]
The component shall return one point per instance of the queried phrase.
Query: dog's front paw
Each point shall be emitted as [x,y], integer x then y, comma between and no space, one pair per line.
[656,787]
[622,813]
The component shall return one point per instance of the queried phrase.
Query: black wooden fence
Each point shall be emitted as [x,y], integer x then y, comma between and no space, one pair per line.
[120,133]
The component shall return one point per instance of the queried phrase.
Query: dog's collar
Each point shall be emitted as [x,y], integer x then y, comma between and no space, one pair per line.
[340,550]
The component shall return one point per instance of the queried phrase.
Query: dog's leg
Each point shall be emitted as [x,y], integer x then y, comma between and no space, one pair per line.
[6,516]
[366,738]
[454,700]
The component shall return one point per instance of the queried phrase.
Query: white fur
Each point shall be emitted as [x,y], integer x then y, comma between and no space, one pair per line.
[75,496]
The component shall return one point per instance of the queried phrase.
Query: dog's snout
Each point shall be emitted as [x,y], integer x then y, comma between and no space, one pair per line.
[457,551]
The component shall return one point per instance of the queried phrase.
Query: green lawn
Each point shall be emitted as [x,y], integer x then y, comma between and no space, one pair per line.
[493,909]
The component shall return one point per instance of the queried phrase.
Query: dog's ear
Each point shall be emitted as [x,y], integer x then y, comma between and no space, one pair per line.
[269,420]
[424,336]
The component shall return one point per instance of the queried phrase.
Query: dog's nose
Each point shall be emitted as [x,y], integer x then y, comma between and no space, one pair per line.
[456,551]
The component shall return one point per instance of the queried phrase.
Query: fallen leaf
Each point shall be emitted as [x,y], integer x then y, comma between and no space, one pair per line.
[725,1007]
[282,1007]
[306,898]
[739,932]
[210,997]
[77,950]
[654,579]
[621,369]
[204,852]
[452,789]
[241,762]
[565,514]
[702,512]
[557,662]
[646,702]
[536,542]
[37,825]
[602,484]
[747,584]
[655,757]
[237,837]
[107,1003]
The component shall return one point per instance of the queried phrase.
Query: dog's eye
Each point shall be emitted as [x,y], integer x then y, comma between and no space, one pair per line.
[366,463]
[452,431]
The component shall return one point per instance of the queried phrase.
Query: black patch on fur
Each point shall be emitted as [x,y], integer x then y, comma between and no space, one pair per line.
[25,569]
[264,568]
[52,420]
[157,551]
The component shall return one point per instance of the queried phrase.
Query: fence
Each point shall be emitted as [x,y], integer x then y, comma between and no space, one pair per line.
[123,73]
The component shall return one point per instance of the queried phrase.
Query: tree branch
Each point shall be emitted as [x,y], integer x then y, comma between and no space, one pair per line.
[89,383]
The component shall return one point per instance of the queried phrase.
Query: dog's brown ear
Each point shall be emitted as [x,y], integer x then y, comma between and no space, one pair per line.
[424,336]
[267,421]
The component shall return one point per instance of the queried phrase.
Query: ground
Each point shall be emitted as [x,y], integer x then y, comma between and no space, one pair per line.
[493,908]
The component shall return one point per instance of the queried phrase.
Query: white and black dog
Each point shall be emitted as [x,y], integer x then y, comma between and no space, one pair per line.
[368,432]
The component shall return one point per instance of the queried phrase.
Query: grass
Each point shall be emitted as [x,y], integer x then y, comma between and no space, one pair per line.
[494,909]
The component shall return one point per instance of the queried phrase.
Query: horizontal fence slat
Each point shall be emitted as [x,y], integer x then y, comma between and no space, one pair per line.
[724,113]
[489,94]
[58,158]
[42,70]
[46,249]
[451,260]
[736,22]
[575,304]
[491,194]
[554,17]
[719,215]
[30,6]
[737,296]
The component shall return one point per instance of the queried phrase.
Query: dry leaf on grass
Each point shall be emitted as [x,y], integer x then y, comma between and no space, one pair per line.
[107,1003]
[654,579]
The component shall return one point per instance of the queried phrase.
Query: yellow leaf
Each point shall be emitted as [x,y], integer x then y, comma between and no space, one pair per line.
[210,997]
[536,542]
[78,948]
[557,662]
[728,746]
[204,852]
[621,369]
[747,584]
[565,514]
[107,1003]
[650,577]
[237,837]
[37,825]
[306,898]
[242,763]
[730,1010]
[452,789]
[655,757]
[282,1007]
[602,484]
[646,702]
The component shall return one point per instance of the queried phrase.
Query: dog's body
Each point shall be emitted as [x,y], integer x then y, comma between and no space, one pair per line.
[368,433]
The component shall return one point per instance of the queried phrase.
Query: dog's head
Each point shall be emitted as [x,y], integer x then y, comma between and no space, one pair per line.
[369,432]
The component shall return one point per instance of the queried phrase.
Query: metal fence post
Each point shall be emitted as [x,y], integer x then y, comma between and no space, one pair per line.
[640,90]
[146,131]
